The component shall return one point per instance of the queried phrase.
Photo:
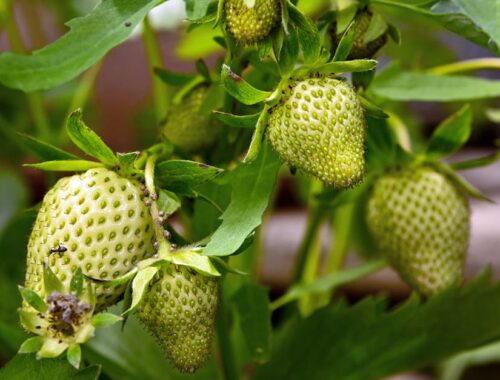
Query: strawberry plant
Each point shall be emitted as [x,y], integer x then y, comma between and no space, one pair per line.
[139,246]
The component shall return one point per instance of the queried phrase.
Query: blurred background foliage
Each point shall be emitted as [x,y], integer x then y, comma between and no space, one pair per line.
[117,95]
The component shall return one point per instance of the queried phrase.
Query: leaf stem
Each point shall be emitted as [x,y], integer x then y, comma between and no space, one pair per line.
[468,65]
[34,98]
[163,245]
[161,92]
[328,282]
[315,218]
[341,228]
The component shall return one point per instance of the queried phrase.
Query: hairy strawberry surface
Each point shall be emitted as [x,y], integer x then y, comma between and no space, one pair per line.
[188,126]
[251,24]
[319,127]
[421,221]
[97,221]
[179,311]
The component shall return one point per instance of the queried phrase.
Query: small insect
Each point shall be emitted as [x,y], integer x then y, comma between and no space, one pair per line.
[60,249]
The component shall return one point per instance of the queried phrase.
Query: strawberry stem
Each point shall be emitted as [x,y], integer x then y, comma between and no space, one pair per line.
[162,244]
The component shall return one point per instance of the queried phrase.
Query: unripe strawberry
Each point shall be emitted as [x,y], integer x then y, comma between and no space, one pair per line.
[179,310]
[319,127]
[360,49]
[420,220]
[250,25]
[188,126]
[97,221]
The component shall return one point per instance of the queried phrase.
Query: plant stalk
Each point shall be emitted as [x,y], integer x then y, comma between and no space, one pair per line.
[468,65]
[315,218]
[161,92]
[316,214]
[163,245]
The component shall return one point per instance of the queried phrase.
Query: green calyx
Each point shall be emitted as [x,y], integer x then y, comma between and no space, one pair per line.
[318,126]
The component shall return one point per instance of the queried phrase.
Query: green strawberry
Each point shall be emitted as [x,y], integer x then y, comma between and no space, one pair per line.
[360,49]
[249,25]
[179,311]
[420,219]
[319,127]
[97,221]
[189,126]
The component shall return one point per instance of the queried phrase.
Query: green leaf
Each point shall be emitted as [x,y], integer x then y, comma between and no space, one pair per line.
[258,135]
[168,202]
[342,343]
[238,88]
[197,9]
[402,86]
[74,355]
[88,40]
[345,44]
[460,182]
[102,320]
[288,53]
[202,69]
[452,18]
[116,281]
[43,150]
[328,283]
[223,267]
[253,184]
[307,33]
[140,284]
[485,13]
[173,79]
[195,260]
[24,367]
[50,281]
[475,162]
[66,165]
[357,65]
[29,319]
[451,134]
[182,177]
[32,344]
[33,299]
[252,305]
[377,28]
[453,369]
[493,115]
[76,284]
[128,159]
[88,141]
[238,121]
[372,109]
